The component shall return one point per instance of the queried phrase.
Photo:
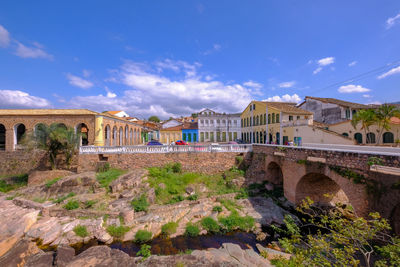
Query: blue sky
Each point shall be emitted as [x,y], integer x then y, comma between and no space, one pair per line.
[171,58]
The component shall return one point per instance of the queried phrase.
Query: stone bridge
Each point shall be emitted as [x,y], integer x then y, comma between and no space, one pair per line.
[367,178]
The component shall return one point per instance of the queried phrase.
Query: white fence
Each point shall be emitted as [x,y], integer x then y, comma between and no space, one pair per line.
[164,149]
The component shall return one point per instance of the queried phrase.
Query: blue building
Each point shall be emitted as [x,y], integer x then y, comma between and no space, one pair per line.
[190,132]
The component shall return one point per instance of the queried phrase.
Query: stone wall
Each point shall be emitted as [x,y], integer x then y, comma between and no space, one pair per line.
[18,162]
[209,163]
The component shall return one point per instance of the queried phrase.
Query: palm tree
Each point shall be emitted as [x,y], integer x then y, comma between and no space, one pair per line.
[366,117]
[383,115]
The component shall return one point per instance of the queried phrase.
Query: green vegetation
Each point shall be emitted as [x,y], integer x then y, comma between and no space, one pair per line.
[192,197]
[13,182]
[105,178]
[143,236]
[144,251]
[71,204]
[154,119]
[51,182]
[243,193]
[169,228]
[236,222]
[374,161]
[61,199]
[80,230]
[210,225]
[343,239]
[176,199]
[230,205]
[192,230]
[90,203]
[303,162]
[39,199]
[117,231]
[217,209]
[140,203]
[104,167]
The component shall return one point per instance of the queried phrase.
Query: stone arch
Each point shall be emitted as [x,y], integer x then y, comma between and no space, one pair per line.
[115,136]
[107,135]
[316,186]
[126,139]
[274,173]
[395,219]
[388,138]
[60,124]
[19,132]
[358,138]
[121,136]
[2,137]
[131,137]
[83,130]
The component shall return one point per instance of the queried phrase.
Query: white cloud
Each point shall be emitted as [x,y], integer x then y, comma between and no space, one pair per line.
[392,21]
[78,81]
[215,48]
[253,84]
[351,88]
[326,61]
[176,66]
[351,64]
[86,73]
[4,37]
[393,71]
[20,99]
[317,70]
[152,93]
[32,52]
[285,98]
[287,84]
[367,96]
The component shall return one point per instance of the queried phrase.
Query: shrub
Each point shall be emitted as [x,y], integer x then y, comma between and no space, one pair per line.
[71,204]
[176,199]
[229,204]
[13,183]
[105,178]
[145,251]
[140,203]
[210,225]
[236,222]
[192,230]
[104,167]
[243,193]
[193,197]
[117,231]
[80,230]
[217,208]
[177,167]
[169,228]
[89,203]
[143,236]
[61,199]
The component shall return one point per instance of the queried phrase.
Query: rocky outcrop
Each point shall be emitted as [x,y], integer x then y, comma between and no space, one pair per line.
[132,179]
[19,253]
[40,177]
[78,184]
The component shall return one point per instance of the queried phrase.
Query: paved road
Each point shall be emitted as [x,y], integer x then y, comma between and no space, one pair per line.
[379,150]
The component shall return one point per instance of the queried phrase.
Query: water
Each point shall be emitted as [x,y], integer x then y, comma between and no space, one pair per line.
[180,244]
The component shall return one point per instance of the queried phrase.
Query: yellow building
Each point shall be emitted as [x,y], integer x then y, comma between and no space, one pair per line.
[273,122]
[171,134]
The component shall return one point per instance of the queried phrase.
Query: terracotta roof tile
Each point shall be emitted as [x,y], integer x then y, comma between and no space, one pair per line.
[47,112]
[338,102]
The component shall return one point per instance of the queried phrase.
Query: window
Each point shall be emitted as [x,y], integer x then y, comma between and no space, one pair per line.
[257,120]
[269,118]
[241,122]
[265,119]
[277,118]
[273,117]
[290,117]
[345,134]
[298,118]
[254,106]
[370,138]
[388,138]
[358,138]
[251,107]
[348,114]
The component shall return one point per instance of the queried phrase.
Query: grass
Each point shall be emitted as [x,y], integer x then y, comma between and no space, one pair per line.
[169,228]
[90,203]
[61,199]
[210,225]
[39,199]
[217,209]
[143,236]
[71,205]
[144,251]
[105,178]
[237,222]
[192,197]
[51,182]
[192,230]
[117,231]
[176,181]
[140,203]
[80,230]
[230,205]
[13,182]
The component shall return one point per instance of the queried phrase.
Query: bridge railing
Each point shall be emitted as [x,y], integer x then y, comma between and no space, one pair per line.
[165,149]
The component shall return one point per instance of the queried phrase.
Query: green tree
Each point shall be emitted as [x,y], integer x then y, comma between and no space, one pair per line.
[366,117]
[154,119]
[340,239]
[383,115]
[195,115]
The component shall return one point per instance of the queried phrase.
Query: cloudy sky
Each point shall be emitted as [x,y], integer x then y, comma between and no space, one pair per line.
[172,58]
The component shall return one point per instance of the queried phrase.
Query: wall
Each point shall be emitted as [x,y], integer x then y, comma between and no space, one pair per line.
[311,134]
[19,162]
[197,162]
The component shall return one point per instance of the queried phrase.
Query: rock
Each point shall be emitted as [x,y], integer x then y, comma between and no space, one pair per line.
[78,184]
[103,236]
[261,236]
[190,190]
[273,254]
[25,203]
[102,256]
[265,211]
[40,177]
[238,181]
[127,194]
[18,254]
[151,196]
[64,255]
[269,187]
[131,179]
[128,216]
[42,259]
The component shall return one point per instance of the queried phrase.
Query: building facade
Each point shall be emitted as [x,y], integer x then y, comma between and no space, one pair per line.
[171,134]
[97,128]
[190,132]
[218,127]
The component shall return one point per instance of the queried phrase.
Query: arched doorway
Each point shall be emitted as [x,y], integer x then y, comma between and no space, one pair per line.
[395,219]
[107,135]
[358,138]
[2,137]
[321,189]
[388,138]
[83,130]
[270,138]
[19,131]
[371,138]
[121,136]
[126,135]
[131,137]
[274,174]
[114,137]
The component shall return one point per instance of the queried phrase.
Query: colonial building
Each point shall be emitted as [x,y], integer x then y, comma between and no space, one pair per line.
[98,129]
[171,134]
[218,127]
[190,132]
[118,113]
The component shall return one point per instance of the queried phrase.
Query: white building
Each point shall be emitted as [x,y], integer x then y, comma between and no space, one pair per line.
[218,127]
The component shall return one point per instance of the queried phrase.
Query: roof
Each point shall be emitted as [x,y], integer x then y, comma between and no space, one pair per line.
[113,112]
[288,108]
[174,128]
[47,112]
[395,120]
[190,126]
[338,102]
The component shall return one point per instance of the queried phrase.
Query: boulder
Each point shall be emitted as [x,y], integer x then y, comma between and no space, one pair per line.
[42,259]
[190,190]
[132,179]
[64,255]
[40,177]
[79,184]
[128,216]
[151,196]
[19,253]
[238,181]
